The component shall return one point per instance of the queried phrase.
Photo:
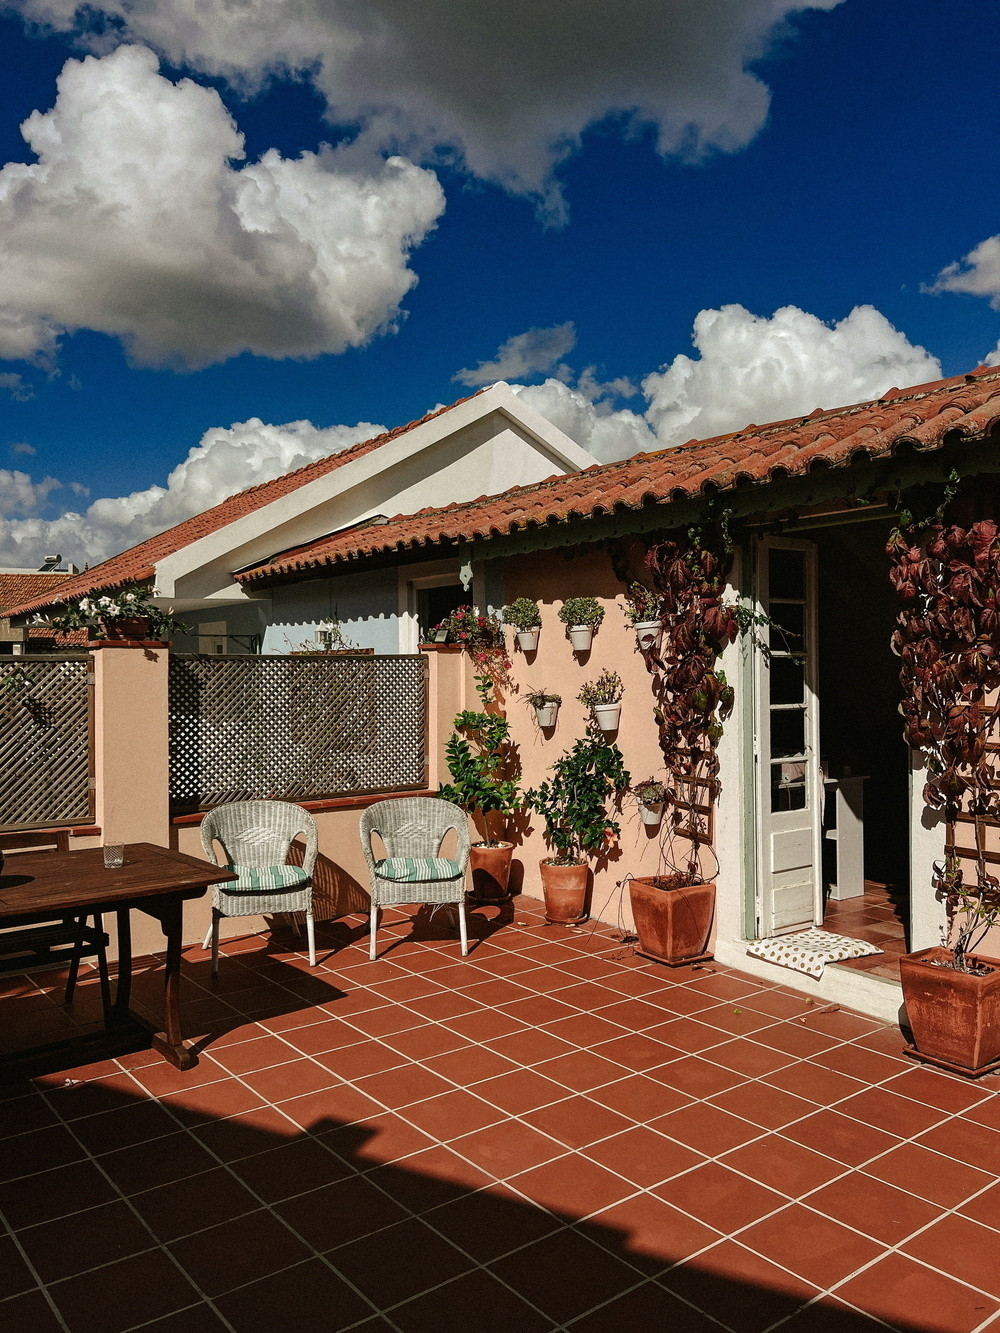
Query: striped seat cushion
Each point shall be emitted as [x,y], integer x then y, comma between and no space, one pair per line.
[264,879]
[417,869]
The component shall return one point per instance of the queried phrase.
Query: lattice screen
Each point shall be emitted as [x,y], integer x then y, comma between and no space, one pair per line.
[44,741]
[298,728]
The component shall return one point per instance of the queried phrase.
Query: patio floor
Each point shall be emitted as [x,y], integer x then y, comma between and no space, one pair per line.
[553,1134]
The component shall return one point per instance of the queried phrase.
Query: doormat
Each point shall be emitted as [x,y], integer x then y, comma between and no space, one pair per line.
[810,950]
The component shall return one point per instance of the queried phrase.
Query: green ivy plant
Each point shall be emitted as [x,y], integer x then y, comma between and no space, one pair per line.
[573,802]
[484,768]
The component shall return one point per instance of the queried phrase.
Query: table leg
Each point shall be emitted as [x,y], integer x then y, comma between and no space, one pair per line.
[169,1042]
[123,990]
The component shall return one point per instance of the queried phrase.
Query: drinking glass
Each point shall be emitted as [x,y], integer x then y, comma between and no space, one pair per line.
[114,856]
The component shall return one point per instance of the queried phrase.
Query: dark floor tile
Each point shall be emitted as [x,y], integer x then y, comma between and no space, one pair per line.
[475,1301]
[28,1313]
[115,1297]
[309,1298]
[399,1262]
[193,1204]
[538,1273]
[237,1252]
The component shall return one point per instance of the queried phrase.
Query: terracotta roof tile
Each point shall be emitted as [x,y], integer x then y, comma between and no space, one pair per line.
[925,417]
[138,564]
[17,588]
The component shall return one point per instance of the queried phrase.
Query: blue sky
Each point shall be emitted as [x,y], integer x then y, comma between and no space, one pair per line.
[875,168]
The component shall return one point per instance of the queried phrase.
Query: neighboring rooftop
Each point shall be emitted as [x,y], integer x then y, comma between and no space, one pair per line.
[924,418]
[19,585]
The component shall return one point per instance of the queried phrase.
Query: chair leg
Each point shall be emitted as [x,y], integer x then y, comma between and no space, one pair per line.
[102,971]
[463,929]
[74,966]
[311,937]
[216,916]
[373,929]
[208,938]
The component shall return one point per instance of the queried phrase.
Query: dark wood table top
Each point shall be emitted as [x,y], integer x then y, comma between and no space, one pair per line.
[34,882]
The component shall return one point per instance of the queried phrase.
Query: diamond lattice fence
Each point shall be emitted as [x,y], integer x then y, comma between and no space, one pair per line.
[44,741]
[297,728]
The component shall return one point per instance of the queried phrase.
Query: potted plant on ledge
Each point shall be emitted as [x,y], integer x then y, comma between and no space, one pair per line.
[526,619]
[573,803]
[643,610]
[948,580]
[546,706]
[603,697]
[128,615]
[485,777]
[581,616]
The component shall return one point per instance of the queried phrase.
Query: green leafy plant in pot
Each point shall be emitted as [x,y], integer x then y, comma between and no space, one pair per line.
[485,782]
[546,706]
[127,614]
[603,697]
[526,620]
[643,606]
[948,582]
[581,616]
[573,804]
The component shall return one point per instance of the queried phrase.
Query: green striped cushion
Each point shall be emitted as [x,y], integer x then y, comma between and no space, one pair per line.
[264,879]
[417,869]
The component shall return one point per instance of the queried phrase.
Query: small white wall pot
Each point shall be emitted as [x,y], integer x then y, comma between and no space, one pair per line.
[646,634]
[527,639]
[651,814]
[581,637]
[546,714]
[607,716]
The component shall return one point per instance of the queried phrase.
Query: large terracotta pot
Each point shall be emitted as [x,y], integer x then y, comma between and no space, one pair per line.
[490,871]
[565,889]
[126,627]
[954,1016]
[673,925]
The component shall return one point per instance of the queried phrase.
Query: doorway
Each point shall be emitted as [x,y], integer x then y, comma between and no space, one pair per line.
[832,789]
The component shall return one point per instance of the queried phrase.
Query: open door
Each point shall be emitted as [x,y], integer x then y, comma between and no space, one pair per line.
[786,750]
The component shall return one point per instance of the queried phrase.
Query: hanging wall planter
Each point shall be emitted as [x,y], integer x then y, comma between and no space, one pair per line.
[646,634]
[581,616]
[527,639]
[650,797]
[651,813]
[608,716]
[546,707]
[523,614]
[644,607]
[673,923]
[603,697]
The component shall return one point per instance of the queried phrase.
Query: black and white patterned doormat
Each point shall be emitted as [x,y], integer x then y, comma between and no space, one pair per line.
[810,950]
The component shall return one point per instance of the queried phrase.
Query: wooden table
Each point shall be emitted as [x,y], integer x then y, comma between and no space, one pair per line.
[152,880]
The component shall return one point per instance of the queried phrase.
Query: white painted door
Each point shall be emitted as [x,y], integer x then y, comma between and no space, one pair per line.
[786,750]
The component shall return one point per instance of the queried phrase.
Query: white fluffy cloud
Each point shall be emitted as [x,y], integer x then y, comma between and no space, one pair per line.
[598,427]
[134,222]
[524,355]
[222,463]
[17,386]
[510,85]
[754,369]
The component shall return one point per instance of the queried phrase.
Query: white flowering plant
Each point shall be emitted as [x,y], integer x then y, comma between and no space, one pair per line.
[133,602]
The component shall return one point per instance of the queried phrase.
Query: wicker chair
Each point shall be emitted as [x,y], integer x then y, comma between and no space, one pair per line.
[413,829]
[256,836]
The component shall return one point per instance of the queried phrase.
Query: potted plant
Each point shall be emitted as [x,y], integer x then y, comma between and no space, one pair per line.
[573,805]
[546,706]
[947,579]
[129,614]
[485,777]
[643,610]
[481,635]
[523,614]
[581,616]
[650,795]
[603,697]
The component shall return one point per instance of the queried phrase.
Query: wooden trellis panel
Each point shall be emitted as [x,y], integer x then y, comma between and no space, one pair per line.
[44,741]
[296,728]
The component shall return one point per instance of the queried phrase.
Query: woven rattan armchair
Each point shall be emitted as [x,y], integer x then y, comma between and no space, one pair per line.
[413,830]
[256,836]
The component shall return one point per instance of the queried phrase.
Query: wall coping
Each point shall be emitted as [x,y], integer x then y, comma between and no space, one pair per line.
[317,807]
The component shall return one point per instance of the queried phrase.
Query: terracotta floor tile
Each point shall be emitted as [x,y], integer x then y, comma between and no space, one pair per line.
[360,1060]
[486,1025]
[779,1003]
[641,1098]
[635,1015]
[696,1077]
[783,1165]
[719,1197]
[470,1064]
[119,1295]
[588,995]
[538,1272]
[963,1249]
[29,1313]
[763,1105]
[845,1140]
[15,1275]
[50,1194]
[344,1211]
[643,1156]
[706,1128]
[376,1140]
[477,1301]
[300,1165]
[896,1287]
[581,1070]
[384,1022]
[421,1043]
[241,1135]
[259,1053]
[443,1005]
[828,1315]
[744,1290]
[572,1186]
[38,1150]
[984,1208]
[507,1148]
[939,1179]
[932,1087]
[873,1207]
[400,1262]
[193,1204]
[811,1245]
[235,1253]
[533,1008]
[452,1114]
[97,1094]
[490,1222]
[795,1038]
[409,987]
[530,1047]
[649,1233]
[648,1306]
[212,1101]
[430,1178]
[308,1298]
[859,1062]
[576,1121]
[636,1051]
[898,1115]
[316,1038]
[139,1123]
[750,1058]
[966,1142]
[174,1157]
[726,987]
[282,1082]
[399,1087]
[814,1082]
[71,1245]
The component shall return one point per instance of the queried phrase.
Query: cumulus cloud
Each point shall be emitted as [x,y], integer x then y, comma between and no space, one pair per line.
[509,86]
[524,355]
[603,430]
[978,274]
[17,386]
[134,222]
[224,461]
[22,447]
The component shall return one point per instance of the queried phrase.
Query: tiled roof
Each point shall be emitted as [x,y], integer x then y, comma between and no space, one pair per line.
[17,588]
[925,417]
[138,563]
